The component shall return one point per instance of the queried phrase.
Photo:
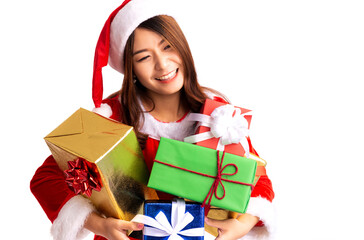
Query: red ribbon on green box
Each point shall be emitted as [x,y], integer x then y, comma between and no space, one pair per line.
[204,175]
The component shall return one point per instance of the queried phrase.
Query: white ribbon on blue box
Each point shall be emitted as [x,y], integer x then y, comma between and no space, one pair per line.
[161,227]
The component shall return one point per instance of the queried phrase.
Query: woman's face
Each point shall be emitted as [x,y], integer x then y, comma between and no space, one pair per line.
[157,65]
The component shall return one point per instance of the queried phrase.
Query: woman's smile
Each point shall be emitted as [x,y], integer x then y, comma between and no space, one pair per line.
[168,77]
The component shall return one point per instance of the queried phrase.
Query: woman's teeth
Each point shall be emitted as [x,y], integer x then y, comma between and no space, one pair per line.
[168,76]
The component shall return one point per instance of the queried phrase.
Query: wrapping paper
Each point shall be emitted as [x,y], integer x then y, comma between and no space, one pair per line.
[113,148]
[175,219]
[221,119]
[232,124]
[190,171]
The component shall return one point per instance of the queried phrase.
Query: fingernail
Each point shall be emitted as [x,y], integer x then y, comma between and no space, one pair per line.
[140,225]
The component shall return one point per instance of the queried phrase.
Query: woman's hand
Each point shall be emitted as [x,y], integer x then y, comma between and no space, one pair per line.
[232,229]
[111,228]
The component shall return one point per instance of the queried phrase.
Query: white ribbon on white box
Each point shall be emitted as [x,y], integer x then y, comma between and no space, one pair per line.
[160,226]
[225,125]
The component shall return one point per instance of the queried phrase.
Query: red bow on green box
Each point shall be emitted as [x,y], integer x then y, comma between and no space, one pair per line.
[203,175]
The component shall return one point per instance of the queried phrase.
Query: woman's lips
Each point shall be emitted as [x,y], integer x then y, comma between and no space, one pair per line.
[168,76]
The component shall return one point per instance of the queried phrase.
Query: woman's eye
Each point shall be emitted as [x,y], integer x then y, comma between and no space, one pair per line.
[167,47]
[142,59]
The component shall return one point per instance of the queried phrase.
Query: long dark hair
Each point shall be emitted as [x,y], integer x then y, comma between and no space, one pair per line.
[192,94]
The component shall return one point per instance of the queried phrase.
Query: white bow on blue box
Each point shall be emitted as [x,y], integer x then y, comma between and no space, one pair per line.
[171,220]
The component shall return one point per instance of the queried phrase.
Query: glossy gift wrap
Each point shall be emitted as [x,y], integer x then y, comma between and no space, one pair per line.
[103,161]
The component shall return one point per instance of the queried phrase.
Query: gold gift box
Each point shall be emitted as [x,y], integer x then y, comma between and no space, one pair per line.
[114,148]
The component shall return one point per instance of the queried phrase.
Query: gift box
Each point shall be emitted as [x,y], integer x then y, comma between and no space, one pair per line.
[102,160]
[220,124]
[175,219]
[203,175]
[223,127]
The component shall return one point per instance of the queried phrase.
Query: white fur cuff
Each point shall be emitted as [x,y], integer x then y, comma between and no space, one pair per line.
[264,209]
[70,220]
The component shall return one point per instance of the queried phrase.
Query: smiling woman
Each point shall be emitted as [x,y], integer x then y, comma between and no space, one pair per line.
[159,67]
[159,92]
[159,70]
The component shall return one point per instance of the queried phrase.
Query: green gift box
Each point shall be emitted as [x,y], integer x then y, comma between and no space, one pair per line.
[203,175]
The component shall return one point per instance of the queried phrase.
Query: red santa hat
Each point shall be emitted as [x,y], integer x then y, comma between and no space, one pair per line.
[114,35]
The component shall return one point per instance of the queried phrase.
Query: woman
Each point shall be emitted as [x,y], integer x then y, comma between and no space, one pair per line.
[159,90]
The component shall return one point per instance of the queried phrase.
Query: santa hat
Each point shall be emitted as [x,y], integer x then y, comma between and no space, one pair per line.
[114,35]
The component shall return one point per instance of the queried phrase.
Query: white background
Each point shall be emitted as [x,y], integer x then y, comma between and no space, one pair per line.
[297,64]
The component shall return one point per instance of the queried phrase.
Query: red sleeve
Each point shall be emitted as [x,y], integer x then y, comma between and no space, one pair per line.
[50,189]
[264,189]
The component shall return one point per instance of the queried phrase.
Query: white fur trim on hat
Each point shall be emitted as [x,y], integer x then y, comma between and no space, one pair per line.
[127,20]
[264,210]
[70,220]
[104,110]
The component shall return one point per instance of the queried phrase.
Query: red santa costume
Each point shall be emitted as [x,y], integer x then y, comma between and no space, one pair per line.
[68,211]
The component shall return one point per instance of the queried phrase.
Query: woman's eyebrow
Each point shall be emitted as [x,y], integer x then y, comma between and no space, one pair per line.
[140,51]
[144,50]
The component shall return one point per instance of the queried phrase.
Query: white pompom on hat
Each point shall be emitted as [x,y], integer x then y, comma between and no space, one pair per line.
[115,33]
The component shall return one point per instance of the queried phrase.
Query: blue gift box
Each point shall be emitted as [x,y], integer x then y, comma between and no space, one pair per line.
[153,208]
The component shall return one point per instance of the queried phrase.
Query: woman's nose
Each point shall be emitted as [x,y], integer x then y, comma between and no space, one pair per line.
[161,62]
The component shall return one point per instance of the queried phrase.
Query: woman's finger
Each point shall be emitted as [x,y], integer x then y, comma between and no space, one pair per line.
[126,225]
[220,224]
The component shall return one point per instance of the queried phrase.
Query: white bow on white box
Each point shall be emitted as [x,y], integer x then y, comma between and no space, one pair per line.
[225,125]
[160,226]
